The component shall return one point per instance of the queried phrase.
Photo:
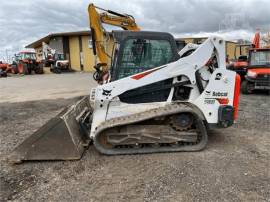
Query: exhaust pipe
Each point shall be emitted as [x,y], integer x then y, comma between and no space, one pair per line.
[64,137]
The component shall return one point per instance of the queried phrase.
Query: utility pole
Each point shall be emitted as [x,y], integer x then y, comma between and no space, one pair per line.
[7,56]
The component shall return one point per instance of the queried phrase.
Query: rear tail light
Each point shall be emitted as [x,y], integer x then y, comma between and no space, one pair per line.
[236,95]
[223,101]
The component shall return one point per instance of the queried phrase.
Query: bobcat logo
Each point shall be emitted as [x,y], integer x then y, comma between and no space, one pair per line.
[218,76]
[220,94]
[207,92]
[106,92]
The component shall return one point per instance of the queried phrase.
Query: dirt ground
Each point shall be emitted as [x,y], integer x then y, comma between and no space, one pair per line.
[233,167]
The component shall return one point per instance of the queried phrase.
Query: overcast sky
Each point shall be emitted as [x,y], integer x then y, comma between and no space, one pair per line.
[24,21]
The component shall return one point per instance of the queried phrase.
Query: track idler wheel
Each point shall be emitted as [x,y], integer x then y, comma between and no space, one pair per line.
[182,122]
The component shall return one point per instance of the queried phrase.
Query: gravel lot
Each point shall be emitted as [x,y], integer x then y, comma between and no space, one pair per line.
[19,88]
[233,167]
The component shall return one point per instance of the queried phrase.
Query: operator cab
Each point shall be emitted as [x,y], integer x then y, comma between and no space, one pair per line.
[258,71]
[138,51]
[27,55]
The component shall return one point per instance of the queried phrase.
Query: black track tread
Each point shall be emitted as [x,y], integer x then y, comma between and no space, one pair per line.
[162,111]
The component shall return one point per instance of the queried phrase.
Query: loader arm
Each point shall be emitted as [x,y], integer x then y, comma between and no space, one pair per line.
[121,125]
[186,66]
[100,36]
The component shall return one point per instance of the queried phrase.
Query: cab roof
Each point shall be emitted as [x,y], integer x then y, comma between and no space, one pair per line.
[122,35]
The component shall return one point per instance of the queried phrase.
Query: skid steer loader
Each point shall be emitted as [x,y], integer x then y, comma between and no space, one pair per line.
[155,99]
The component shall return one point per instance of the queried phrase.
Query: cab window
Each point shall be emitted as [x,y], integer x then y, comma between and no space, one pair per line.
[142,54]
[260,58]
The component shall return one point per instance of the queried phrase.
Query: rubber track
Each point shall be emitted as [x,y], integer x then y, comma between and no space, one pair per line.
[149,114]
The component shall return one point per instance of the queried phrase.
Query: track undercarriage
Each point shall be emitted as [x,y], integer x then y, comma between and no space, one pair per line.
[171,128]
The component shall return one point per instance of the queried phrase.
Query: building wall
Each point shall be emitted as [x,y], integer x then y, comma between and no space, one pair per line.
[38,51]
[66,47]
[242,49]
[57,44]
[237,52]
[88,56]
[234,50]
[188,40]
[82,58]
[230,47]
[74,50]
[109,47]
[230,50]
[81,55]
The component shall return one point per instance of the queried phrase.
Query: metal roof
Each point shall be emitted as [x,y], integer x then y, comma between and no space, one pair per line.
[47,38]
[199,38]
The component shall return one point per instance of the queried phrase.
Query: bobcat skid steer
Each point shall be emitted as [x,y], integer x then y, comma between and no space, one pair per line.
[155,100]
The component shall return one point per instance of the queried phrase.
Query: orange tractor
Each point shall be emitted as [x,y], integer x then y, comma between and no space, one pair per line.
[258,71]
[254,69]
[258,68]
[240,66]
[3,69]
[6,68]
[25,63]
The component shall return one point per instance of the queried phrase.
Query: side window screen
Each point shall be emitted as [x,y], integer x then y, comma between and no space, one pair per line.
[260,58]
[143,54]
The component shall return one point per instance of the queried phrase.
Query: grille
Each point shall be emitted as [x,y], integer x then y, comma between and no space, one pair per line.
[264,77]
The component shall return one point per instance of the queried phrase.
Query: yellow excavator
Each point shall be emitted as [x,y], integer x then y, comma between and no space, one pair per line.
[101,38]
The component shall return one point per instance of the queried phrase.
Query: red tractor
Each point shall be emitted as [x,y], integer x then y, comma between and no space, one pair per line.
[254,69]
[240,66]
[3,69]
[25,63]
[258,71]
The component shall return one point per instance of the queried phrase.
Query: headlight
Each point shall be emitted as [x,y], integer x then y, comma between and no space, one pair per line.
[251,74]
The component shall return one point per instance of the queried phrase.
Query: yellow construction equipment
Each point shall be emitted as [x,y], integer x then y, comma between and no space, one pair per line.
[101,38]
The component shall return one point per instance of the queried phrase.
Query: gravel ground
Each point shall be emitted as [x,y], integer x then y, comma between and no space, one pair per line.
[233,167]
[21,88]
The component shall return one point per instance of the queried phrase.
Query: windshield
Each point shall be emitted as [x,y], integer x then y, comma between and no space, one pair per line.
[59,57]
[143,54]
[260,58]
[28,56]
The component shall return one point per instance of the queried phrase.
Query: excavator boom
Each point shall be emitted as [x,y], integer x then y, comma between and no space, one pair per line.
[100,37]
